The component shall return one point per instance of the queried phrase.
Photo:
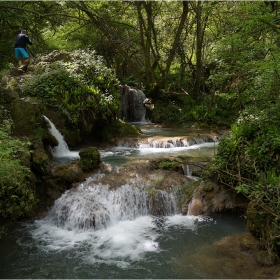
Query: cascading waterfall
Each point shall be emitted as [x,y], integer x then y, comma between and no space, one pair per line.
[62,149]
[186,170]
[172,143]
[93,206]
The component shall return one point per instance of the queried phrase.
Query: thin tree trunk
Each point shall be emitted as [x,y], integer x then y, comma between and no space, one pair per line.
[176,41]
[199,40]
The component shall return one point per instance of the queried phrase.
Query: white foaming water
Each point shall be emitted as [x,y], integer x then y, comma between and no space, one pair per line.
[169,144]
[108,226]
[94,206]
[62,149]
[169,150]
[119,244]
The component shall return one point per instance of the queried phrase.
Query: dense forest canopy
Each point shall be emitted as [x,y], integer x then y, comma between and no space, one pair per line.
[212,51]
[170,44]
[211,62]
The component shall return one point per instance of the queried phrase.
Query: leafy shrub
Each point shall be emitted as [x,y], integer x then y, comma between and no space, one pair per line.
[82,90]
[248,159]
[183,109]
[16,196]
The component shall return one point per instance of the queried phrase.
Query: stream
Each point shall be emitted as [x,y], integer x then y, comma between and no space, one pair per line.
[123,241]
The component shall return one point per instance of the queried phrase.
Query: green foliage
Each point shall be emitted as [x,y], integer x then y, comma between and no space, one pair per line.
[82,90]
[16,197]
[167,164]
[182,109]
[13,24]
[187,191]
[53,87]
[248,159]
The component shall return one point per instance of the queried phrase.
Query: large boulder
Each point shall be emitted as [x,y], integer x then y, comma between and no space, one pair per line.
[89,159]
[209,197]
[133,106]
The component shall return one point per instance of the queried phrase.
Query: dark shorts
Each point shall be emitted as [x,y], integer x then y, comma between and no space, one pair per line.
[21,52]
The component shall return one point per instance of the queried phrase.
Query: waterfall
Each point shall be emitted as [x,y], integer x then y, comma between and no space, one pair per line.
[186,170]
[132,104]
[62,149]
[171,143]
[93,206]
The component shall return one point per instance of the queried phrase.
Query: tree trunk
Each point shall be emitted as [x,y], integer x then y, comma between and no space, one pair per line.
[199,41]
[176,41]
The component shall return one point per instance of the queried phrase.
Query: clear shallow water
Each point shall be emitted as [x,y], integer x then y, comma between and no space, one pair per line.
[120,155]
[142,248]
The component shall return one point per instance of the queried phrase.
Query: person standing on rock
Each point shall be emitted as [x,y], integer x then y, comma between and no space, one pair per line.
[20,49]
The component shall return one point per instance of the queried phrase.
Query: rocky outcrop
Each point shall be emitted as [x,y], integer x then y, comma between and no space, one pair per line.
[26,112]
[195,196]
[133,104]
[58,178]
[89,159]
[210,197]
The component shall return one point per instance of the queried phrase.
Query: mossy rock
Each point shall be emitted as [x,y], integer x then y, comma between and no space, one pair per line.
[118,128]
[40,161]
[26,114]
[72,136]
[11,85]
[45,136]
[69,173]
[249,243]
[266,258]
[25,158]
[89,159]
[208,186]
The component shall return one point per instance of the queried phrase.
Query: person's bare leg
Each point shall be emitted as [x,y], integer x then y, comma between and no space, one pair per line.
[26,62]
[20,62]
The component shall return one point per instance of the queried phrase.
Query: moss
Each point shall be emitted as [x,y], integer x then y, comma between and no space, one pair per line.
[187,194]
[13,85]
[119,128]
[256,220]
[40,161]
[25,158]
[89,159]
[207,187]
[69,173]
[171,165]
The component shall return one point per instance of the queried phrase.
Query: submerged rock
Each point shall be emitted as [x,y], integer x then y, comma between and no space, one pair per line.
[227,259]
